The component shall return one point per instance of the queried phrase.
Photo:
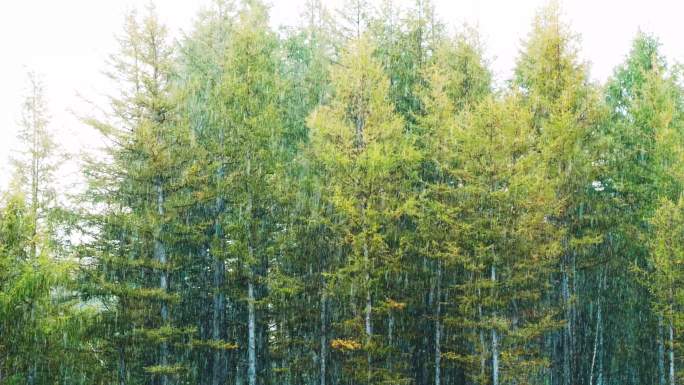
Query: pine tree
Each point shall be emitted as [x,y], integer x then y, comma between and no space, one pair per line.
[566,115]
[246,158]
[203,64]
[640,171]
[507,247]
[457,80]
[664,282]
[358,141]
[35,167]
[138,234]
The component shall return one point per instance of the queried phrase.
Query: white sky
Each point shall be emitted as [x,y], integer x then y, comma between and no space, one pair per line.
[67,41]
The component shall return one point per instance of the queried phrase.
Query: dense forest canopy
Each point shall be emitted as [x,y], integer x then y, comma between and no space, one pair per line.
[352,201]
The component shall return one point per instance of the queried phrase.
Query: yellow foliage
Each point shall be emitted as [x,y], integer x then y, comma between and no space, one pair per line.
[342,344]
[394,305]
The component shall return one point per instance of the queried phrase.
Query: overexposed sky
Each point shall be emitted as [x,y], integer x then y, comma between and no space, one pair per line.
[68,41]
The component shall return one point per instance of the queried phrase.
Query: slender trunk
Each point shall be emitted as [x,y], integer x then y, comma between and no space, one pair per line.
[369,305]
[34,175]
[251,334]
[160,256]
[599,375]
[483,346]
[495,345]
[122,366]
[495,357]
[438,326]
[390,336]
[596,343]
[390,329]
[369,308]
[672,357]
[219,368]
[217,320]
[661,352]
[573,319]
[32,374]
[565,291]
[251,311]
[324,342]
[483,353]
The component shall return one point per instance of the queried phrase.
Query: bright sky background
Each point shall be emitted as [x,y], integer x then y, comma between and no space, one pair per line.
[68,41]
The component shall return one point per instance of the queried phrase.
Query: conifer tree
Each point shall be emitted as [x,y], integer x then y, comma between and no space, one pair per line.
[640,171]
[203,63]
[135,253]
[358,141]
[41,325]
[406,41]
[566,115]
[34,168]
[665,284]
[508,248]
[456,81]
[247,98]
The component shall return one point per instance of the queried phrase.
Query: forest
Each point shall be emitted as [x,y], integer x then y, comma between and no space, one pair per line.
[352,201]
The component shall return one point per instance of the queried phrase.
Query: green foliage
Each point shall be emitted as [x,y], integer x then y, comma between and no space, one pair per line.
[351,201]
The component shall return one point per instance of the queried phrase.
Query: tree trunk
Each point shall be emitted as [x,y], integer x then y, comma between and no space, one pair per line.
[438,326]
[122,366]
[251,334]
[369,309]
[32,374]
[251,310]
[217,321]
[672,357]
[160,256]
[483,346]
[661,351]
[219,366]
[599,376]
[599,331]
[324,342]
[495,345]
[34,175]
[565,291]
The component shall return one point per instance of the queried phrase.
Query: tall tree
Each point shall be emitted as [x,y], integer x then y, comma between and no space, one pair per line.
[641,156]
[566,114]
[203,64]
[248,98]
[137,237]
[456,81]
[358,141]
[665,284]
[507,247]
[35,167]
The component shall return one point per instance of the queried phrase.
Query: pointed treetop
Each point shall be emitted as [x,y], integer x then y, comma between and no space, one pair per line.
[548,62]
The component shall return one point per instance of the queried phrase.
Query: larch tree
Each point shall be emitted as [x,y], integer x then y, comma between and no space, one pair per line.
[567,112]
[665,284]
[37,162]
[248,97]
[456,81]
[641,170]
[358,141]
[203,66]
[508,247]
[136,248]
